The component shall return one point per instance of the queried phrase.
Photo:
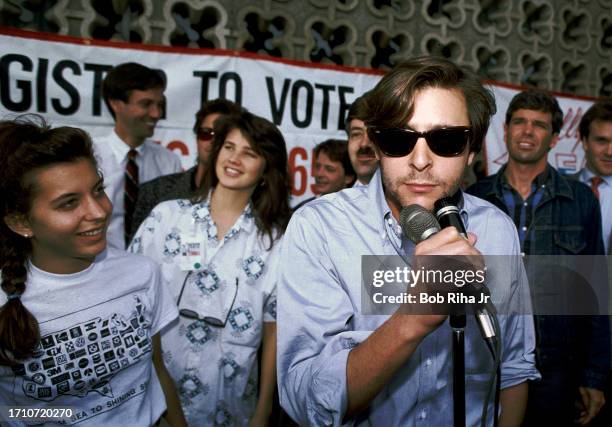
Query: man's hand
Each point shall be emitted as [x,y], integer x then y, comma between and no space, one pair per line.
[447,242]
[592,402]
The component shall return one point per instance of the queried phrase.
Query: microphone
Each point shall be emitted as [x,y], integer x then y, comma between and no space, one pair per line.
[447,213]
[419,224]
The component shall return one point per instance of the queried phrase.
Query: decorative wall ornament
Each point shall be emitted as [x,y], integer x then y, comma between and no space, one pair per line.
[559,46]
[492,63]
[388,48]
[195,23]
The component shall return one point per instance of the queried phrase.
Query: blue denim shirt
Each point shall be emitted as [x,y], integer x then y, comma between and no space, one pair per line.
[567,221]
[320,318]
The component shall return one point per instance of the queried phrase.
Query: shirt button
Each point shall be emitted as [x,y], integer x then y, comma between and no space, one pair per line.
[525,204]
[524,228]
[523,254]
[428,362]
[422,415]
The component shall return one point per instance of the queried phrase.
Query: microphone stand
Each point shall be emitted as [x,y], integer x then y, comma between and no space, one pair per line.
[457,323]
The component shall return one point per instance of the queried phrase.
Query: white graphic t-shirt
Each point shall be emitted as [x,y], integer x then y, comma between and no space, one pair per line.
[95,351]
[225,289]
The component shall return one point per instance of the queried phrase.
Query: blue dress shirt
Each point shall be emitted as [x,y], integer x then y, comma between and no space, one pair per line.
[320,318]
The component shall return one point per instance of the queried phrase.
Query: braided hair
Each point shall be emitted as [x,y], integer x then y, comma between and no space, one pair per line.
[27,144]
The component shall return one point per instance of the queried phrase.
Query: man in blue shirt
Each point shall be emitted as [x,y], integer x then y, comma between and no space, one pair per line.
[554,216]
[337,364]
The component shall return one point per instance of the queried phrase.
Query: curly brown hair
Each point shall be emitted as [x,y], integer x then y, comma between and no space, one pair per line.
[26,145]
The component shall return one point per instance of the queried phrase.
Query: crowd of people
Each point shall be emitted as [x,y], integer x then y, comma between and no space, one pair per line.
[135,290]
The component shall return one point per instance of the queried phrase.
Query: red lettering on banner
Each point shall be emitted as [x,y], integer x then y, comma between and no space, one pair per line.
[566,162]
[312,169]
[298,173]
[571,122]
[178,145]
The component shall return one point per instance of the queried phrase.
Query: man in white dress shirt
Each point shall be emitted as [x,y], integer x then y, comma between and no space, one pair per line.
[134,95]
[596,137]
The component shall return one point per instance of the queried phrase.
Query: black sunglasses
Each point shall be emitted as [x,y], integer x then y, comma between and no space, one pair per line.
[190,314]
[399,142]
[205,134]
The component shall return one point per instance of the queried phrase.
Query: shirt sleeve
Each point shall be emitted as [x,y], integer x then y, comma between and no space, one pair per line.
[314,339]
[518,337]
[163,308]
[148,239]
[271,280]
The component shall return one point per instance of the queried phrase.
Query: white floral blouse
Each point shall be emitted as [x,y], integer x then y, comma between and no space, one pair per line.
[225,290]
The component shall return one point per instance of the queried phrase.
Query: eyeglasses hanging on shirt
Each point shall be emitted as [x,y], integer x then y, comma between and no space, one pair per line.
[215,314]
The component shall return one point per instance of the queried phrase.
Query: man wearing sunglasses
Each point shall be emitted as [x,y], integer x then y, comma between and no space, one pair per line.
[182,185]
[553,216]
[427,119]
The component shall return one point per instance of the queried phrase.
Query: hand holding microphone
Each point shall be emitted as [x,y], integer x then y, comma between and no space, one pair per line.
[420,226]
[430,238]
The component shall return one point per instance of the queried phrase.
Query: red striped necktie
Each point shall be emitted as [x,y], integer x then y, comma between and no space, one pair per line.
[131,192]
[595,183]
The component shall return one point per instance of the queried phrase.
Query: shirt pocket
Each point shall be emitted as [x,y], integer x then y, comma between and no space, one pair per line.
[570,239]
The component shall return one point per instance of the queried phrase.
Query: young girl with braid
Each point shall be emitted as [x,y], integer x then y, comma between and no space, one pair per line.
[79,323]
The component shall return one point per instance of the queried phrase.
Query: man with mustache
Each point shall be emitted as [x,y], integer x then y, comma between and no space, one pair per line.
[554,216]
[337,363]
[360,148]
[134,95]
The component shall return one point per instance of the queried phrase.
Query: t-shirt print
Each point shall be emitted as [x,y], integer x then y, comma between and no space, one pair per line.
[84,358]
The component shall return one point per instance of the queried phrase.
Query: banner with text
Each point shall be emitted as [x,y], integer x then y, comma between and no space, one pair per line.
[60,77]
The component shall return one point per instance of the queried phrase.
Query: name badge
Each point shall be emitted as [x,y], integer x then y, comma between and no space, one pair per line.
[191,253]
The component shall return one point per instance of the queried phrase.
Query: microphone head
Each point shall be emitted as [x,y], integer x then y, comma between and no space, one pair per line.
[444,202]
[418,223]
[448,203]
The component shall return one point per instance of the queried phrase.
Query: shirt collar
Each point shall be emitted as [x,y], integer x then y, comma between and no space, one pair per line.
[359,184]
[246,221]
[540,180]
[550,179]
[587,174]
[120,149]
[377,195]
